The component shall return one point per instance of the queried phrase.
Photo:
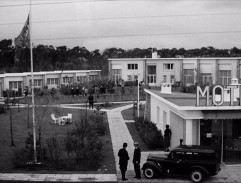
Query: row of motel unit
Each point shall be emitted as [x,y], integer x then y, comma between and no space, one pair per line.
[52,79]
[187,71]
[210,125]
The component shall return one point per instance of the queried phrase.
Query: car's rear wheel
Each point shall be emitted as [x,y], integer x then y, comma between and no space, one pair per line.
[149,172]
[196,176]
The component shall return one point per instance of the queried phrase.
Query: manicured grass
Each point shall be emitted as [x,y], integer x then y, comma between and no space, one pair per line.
[136,136]
[20,132]
[129,114]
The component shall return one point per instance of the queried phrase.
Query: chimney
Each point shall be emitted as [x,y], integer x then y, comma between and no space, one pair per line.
[154,53]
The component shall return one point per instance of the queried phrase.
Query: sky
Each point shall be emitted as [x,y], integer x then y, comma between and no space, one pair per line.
[127,24]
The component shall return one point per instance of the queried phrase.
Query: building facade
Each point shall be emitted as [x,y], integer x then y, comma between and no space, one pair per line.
[216,124]
[187,71]
[52,79]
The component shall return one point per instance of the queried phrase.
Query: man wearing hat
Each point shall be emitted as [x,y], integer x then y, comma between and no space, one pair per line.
[136,160]
[123,160]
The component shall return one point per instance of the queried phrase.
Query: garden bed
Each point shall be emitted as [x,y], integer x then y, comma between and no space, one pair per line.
[128,114]
[49,130]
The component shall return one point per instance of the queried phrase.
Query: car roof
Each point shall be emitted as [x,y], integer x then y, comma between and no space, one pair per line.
[194,148]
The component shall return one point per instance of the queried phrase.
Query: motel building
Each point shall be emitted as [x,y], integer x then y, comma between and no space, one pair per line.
[51,79]
[210,117]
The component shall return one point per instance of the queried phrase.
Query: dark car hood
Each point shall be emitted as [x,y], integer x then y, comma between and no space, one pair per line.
[157,156]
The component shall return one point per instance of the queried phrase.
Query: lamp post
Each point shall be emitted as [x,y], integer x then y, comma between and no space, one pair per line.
[138,96]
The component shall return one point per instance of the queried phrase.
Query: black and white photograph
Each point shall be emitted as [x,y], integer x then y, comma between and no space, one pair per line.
[120,91]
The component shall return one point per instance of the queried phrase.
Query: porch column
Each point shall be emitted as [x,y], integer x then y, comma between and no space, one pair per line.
[189,133]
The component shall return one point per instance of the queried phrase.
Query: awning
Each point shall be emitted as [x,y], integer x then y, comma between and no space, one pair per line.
[222,114]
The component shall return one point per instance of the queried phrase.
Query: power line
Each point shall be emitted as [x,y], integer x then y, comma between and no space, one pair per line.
[118,18]
[140,35]
[89,1]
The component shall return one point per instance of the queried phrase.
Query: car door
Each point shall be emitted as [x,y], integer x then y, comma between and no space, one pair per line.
[174,163]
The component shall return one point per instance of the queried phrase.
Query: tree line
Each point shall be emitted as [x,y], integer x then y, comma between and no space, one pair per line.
[49,58]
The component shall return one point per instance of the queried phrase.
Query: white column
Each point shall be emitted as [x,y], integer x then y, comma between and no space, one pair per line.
[189,133]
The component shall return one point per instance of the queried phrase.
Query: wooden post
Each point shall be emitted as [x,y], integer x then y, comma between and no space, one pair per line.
[11,127]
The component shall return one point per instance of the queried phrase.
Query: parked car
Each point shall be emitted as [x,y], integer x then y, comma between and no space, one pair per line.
[195,161]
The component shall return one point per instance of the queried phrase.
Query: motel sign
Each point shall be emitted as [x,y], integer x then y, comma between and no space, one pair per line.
[206,93]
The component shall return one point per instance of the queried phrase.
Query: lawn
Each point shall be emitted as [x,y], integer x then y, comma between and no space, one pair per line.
[20,132]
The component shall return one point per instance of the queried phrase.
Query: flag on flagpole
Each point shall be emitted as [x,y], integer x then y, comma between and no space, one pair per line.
[23,40]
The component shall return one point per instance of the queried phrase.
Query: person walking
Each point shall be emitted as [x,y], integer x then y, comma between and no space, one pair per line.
[136,160]
[167,138]
[91,101]
[72,92]
[77,91]
[123,161]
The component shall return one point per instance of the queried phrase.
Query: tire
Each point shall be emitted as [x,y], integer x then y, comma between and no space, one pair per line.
[196,176]
[149,172]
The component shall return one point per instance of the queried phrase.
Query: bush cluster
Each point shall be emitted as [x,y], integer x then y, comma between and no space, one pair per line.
[80,149]
[98,124]
[149,133]
[2,109]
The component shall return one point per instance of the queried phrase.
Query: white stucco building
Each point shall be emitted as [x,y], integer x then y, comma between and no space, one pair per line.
[52,79]
[213,125]
[187,71]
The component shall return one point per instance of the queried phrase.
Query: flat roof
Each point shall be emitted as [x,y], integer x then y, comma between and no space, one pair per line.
[200,58]
[46,72]
[187,101]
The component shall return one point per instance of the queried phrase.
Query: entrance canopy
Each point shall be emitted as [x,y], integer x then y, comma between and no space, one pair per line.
[222,114]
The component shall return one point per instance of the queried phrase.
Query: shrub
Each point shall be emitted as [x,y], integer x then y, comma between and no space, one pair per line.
[20,158]
[98,124]
[84,145]
[54,149]
[150,134]
[2,109]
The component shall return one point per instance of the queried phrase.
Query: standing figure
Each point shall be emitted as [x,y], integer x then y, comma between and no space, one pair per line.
[123,160]
[26,91]
[91,101]
[181,142]
[167,138]
[136,160]
[72,92]
[77,91]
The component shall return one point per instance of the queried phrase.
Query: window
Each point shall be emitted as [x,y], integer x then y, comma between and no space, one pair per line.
[224,77]
[172,79]
[151,74]
[168,66]
[188,76]
[68,80]
[15,84]
[116,74]
[36,82]
[132,66]
[129,78]
[93,77]
[52,81]
[81,79]
[206,78]
[164,78]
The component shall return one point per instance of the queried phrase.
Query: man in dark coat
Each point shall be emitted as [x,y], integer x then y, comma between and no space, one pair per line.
[91,101]
[167,138]
[77,91]
[72,92]
[136,160]
[123,160]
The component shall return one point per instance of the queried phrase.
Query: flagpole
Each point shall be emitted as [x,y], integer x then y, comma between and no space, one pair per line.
[32,84]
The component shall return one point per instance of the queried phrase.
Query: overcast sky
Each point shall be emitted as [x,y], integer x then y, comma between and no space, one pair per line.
[127,24]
